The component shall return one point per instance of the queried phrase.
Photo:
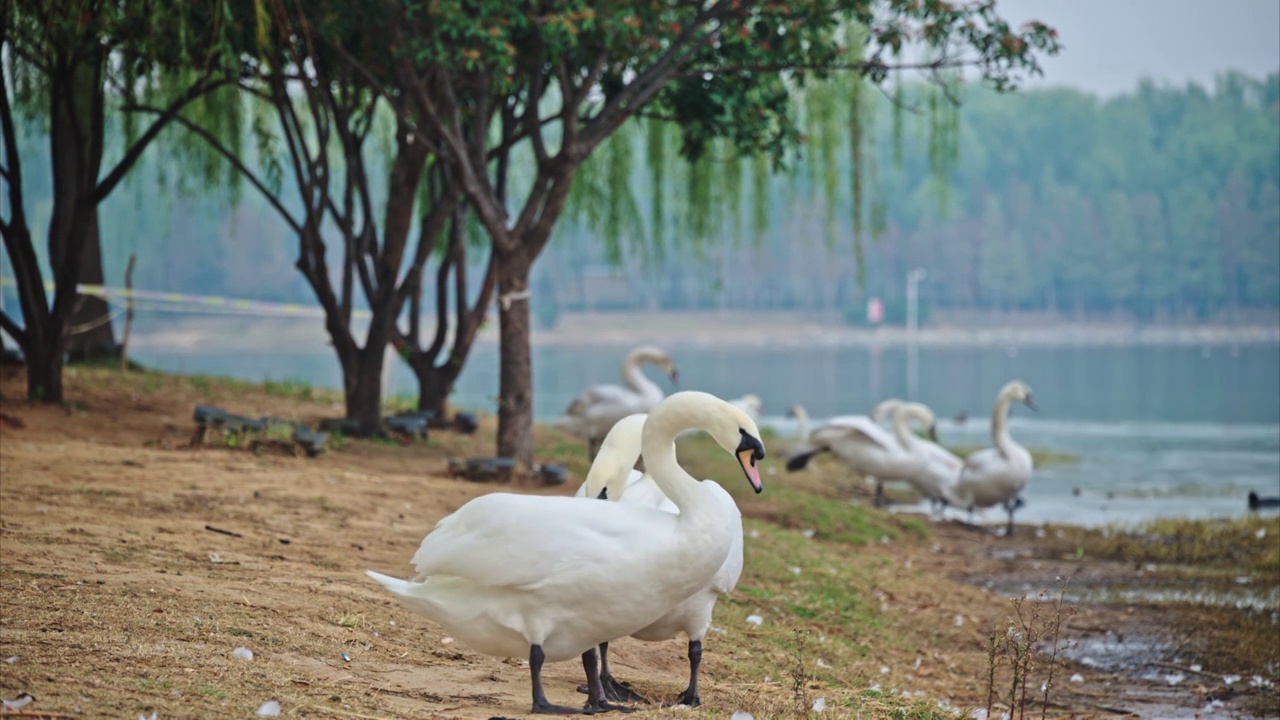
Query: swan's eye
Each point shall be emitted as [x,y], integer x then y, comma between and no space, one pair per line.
[750,442]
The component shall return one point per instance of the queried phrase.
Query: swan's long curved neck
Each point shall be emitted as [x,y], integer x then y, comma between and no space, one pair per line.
[635,378]
[901,426]
[658,448]
[802,421]
[1000,425]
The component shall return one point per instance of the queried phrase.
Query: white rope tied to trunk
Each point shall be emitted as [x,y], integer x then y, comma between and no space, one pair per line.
[506,299]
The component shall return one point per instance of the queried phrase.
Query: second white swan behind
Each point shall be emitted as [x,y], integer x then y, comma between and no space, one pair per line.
[553,577]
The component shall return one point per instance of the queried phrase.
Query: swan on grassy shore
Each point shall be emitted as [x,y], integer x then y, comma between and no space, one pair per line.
[497,574]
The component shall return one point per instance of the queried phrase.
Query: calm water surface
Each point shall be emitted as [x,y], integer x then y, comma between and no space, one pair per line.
[1160,431]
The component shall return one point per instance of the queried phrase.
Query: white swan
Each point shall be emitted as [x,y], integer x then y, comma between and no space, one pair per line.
[941,466]
[861,444]
[802,422]
[996,475]
[554,577]
[749,404]
[613,465]
[884,410]
[595,411]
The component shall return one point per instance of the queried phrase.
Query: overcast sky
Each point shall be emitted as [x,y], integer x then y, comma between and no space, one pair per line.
[1109,45]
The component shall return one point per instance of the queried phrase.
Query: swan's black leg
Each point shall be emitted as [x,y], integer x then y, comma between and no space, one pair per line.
[596,701]
[690,695]
[540,704]
[613,690]
[879,501]
[1009,529]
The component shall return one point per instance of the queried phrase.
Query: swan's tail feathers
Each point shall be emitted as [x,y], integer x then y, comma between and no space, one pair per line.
[395,585]
[801,459]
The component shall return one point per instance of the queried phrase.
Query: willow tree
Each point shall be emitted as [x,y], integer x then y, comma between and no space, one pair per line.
[70,65]
[320,95]
[559,77]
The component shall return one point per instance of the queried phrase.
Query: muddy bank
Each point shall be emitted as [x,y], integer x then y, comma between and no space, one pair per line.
[1176,638]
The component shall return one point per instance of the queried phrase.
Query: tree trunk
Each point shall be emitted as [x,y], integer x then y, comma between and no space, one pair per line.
[515,378]
[44,371]
[99,340]
[362,387]
[435,384]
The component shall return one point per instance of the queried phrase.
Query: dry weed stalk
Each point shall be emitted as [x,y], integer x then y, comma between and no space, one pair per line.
[799,670]
[1016,648]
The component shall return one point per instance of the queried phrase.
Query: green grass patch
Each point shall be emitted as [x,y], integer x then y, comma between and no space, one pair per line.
[295,389]
[1249,543]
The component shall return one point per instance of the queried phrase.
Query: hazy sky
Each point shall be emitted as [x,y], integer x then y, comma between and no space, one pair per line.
[1111,44]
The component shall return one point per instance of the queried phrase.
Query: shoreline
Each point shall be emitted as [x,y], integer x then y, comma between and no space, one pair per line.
[732,329]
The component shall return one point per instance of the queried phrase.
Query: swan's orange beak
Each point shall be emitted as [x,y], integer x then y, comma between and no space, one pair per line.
[747,459]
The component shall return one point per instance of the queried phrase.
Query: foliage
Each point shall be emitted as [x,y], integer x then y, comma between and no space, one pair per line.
[1162,203]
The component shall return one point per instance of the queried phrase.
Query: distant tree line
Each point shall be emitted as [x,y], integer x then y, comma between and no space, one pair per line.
[1163,203]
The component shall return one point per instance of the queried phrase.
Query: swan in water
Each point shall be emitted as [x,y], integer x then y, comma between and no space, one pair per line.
[941,466]
[596,410]
[612,473]
[863,445]
[553,577]
[996,475]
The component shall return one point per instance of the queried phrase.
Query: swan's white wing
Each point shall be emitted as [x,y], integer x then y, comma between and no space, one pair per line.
[643,491]
[726,578]
[981,464]
[848,427]
[940,456]
[506,540]
[599,396]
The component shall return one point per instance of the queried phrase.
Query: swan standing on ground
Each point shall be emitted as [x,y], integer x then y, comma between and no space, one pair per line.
[621,483]
[941,466]
[554,577]
[595,411]
[861,444]
[996,475]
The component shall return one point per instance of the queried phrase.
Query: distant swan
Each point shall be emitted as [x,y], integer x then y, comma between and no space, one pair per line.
[554,577]
[593,412]
[862,445]
[749,404]
[614,462]
[996,475]
[941,466]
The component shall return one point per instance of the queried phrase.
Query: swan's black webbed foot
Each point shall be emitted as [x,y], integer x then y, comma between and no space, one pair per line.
[617,691]
[620,691]
[689,697]
[603,706]
[546,708]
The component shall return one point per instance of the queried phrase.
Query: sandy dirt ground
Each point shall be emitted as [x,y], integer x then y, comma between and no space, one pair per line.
[133,565]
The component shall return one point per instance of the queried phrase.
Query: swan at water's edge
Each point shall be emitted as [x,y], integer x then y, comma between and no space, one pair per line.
[861,444]
[996,475]
[599,407]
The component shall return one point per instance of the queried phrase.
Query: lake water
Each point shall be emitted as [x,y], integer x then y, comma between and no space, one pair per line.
[1160,431]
